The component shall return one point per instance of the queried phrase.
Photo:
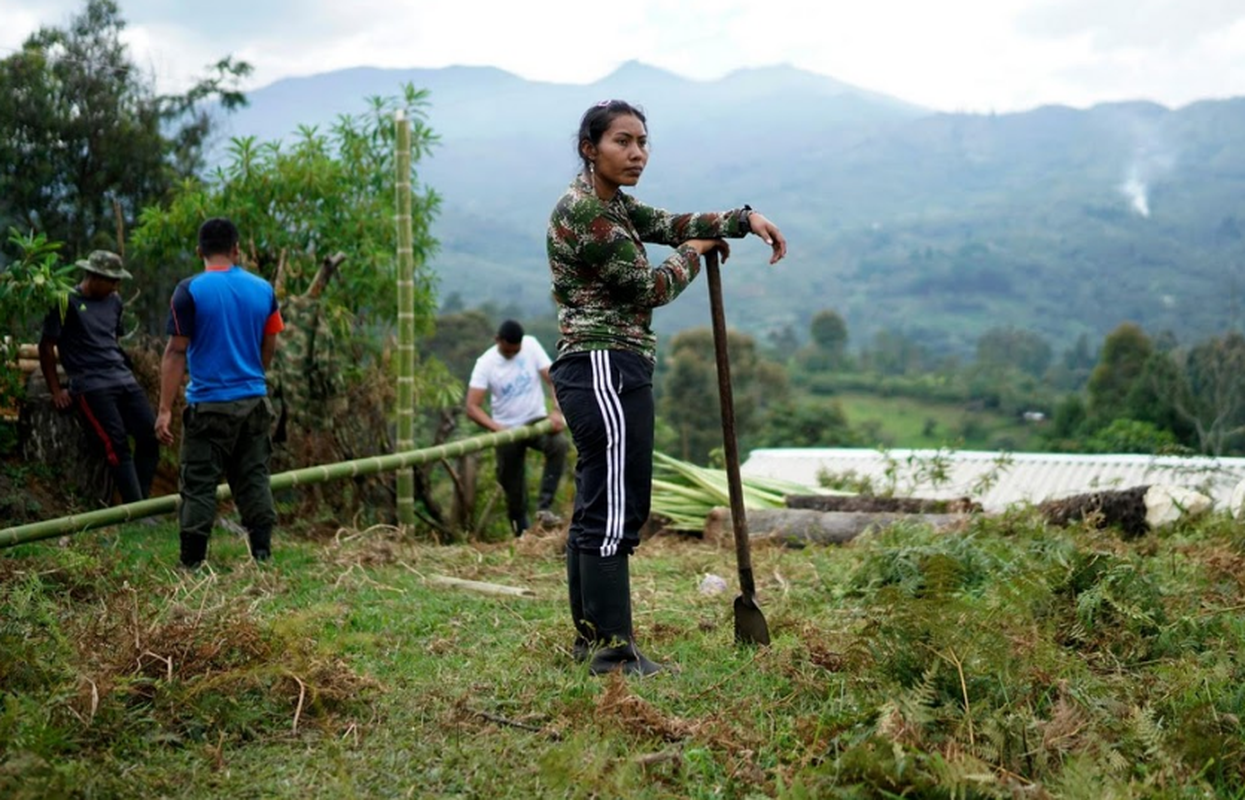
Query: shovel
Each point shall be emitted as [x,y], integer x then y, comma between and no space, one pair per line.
[750,627]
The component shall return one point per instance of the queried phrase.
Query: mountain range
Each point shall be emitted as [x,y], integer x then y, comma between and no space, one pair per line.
[936,225]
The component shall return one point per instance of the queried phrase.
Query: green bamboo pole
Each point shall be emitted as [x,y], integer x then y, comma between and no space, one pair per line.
[406,320]
[79,523]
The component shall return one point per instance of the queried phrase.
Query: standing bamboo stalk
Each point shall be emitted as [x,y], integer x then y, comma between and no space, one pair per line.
[306,476]
[406,320]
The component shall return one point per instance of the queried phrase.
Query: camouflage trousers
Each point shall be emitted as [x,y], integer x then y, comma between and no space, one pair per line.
[229,440]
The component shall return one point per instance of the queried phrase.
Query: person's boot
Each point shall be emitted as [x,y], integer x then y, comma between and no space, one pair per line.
[582,648]
[261,544]
[605,583]
[194,550]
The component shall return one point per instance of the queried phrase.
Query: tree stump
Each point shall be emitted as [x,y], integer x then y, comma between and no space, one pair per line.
[58,440]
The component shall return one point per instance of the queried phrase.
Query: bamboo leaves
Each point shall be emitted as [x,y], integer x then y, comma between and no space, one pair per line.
[684,493]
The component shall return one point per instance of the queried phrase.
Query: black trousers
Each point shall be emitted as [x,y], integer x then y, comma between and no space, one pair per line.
[112,416]
[606,397]
[512,474]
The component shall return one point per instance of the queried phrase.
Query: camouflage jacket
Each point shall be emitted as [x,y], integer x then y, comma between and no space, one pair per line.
[604,286]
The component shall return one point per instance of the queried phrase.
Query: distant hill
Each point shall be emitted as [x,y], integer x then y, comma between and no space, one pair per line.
[941,225]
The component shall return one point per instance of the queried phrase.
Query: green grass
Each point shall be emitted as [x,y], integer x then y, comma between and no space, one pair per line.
[1008,659]
[911,423]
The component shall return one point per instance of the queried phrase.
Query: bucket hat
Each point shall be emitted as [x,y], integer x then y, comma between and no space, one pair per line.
[102,262]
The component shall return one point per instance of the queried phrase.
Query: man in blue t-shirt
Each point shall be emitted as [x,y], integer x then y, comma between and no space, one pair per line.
[223,326]
[101,387]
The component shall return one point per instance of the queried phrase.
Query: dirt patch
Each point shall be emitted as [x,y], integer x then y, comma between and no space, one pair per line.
[29,494]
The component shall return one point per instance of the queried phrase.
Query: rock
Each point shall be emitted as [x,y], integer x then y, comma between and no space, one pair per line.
[1167,504]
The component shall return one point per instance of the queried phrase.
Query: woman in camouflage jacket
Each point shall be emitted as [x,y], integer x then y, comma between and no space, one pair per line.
[606,291]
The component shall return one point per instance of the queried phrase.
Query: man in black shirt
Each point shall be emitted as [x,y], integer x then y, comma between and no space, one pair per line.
[101,386]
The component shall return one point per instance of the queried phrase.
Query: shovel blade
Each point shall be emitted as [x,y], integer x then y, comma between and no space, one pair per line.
[750,626]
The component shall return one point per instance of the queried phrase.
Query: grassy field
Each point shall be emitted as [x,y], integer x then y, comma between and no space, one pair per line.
[911,423]
[1007,659]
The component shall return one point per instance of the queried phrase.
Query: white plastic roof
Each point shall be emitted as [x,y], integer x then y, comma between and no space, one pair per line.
[1018,477]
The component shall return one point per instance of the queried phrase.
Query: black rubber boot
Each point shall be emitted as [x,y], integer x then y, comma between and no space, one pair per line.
[582,649]
[194,550]
[261,544]
[605,583]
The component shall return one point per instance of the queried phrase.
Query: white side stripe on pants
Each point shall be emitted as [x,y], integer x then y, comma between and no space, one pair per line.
[615,450]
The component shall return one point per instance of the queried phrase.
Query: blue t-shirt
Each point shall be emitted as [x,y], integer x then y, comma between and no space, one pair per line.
[225,312]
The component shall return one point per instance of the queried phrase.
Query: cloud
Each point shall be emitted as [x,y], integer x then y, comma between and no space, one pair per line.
[956,55]
[1131,24]
[23,18]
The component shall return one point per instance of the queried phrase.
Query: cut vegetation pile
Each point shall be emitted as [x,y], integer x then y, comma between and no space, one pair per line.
[684,493]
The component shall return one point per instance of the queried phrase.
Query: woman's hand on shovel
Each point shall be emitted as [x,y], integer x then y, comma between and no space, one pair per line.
[706,246]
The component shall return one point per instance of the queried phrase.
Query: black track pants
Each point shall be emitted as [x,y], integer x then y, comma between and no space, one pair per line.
[112,415]
[606,397]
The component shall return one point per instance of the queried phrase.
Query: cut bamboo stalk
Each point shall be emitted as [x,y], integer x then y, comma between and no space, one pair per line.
[406,318]
[480,586]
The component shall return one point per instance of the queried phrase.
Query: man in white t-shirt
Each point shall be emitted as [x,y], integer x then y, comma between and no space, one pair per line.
[511,372]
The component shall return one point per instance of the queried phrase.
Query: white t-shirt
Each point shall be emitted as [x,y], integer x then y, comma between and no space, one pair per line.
[516,390]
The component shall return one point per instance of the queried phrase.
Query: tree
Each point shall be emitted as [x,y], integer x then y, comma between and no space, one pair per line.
[327,193]
[33,284]
[827,349]
[459,340]
[1131,436]
[1072,370]
[1214,402]
[689,390]
[814,422]
[895,353]
[1121,362]
[86,143]
[1011,348]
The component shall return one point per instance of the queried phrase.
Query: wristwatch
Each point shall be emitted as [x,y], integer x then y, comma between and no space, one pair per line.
[744,213]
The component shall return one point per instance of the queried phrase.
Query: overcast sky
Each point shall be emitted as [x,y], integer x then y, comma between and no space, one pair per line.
[952,55]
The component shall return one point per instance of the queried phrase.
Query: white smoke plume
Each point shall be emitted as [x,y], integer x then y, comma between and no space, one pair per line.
[1153,158]
[1134,188]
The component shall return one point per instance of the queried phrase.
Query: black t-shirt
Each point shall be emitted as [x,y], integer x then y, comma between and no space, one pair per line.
[87,342]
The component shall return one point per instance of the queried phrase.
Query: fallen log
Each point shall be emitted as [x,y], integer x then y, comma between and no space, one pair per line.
[872,503]
[798,527]
[54,438]
[1136,510]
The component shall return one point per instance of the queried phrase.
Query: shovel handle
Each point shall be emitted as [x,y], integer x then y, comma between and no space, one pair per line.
[743,555]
